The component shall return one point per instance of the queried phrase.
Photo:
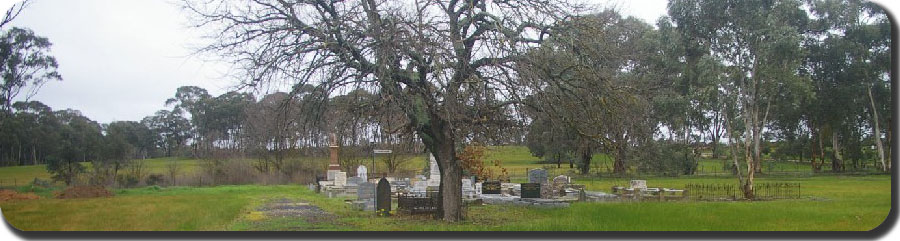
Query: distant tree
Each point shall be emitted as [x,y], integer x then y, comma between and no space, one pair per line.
[171,131]
[24,64]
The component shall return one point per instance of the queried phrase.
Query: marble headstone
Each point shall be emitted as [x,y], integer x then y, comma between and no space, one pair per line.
[362,172]
[642,184]
[340,179]
[537,176]
[478,188]
[434,172]
[467,189]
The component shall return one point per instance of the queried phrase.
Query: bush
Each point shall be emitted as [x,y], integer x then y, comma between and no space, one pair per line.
[127,180]
[155,179]
[665,159]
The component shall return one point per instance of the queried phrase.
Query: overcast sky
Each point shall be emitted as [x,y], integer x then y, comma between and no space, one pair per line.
[120,60]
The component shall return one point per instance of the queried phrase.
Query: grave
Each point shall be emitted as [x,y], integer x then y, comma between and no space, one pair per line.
[468,191]
[639,184]
[478,189]
[366,196]
[559,185]
[490,188]
[340,179]
[531,190]
[537,176]
[355,181]
[362,172]
[383,197]
[333,166]
[434,173]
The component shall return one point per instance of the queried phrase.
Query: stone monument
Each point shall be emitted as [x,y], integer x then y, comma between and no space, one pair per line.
[366,196]
[362,172]
[340,179]
[434,172]
[383,197]
[537,176]
[333,166]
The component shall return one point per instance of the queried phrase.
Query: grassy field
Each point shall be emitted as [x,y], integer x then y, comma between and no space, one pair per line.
[828,202]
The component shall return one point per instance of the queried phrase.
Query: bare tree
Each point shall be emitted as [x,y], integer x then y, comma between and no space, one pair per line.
[434,59]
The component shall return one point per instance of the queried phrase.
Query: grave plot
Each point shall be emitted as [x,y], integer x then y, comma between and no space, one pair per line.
[287,215]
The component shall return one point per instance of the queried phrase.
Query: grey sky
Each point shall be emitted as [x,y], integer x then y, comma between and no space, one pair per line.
[120,60]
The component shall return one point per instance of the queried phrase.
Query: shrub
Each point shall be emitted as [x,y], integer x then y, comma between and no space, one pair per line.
[155,179]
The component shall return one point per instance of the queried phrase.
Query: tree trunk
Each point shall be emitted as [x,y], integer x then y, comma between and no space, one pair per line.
[619,164]
[837,162]
[876,131]
[438,137]
[586,155]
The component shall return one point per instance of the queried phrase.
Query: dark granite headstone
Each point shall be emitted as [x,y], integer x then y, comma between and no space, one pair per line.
[383,197]
[490,188]
[531,190]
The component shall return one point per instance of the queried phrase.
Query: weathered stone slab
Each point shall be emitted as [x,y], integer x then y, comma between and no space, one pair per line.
[537,176]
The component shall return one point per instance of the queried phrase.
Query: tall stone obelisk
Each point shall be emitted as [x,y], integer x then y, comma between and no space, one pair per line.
[333,166]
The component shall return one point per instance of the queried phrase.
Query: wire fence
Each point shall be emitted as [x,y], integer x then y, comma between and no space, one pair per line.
[761,191]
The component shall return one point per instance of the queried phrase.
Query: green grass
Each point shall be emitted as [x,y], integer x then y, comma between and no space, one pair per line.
[829,202]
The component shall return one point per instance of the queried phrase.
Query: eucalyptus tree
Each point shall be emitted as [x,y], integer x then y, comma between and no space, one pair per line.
[850,64]
[760,42]
[25,65]
[429,57]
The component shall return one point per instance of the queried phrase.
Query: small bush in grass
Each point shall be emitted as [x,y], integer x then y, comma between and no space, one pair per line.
[127,180]
[155,179]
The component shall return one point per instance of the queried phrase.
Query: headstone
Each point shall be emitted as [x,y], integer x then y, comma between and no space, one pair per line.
[362,172]
[366,195]
[478,188]
[559,185]
[434,172]
[468,190]
[537,176]
[561,180]
[531,190]
[355,181]
[365,190]
[642,184]
[331,174]
[490,188]
[383,197]
[340,179]
[419,188]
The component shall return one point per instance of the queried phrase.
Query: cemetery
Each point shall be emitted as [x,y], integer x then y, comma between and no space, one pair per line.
[380,115]
[381,193]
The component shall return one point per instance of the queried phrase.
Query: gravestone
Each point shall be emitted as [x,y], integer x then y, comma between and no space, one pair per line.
[531,190]
[559,185]
[383,197]
[340,179]
[478,188]
[537,176]
[467,189]
[419,188]
[355,181]
[434,172]
[490,188]
[366,195]
[639,184]
[362,172]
